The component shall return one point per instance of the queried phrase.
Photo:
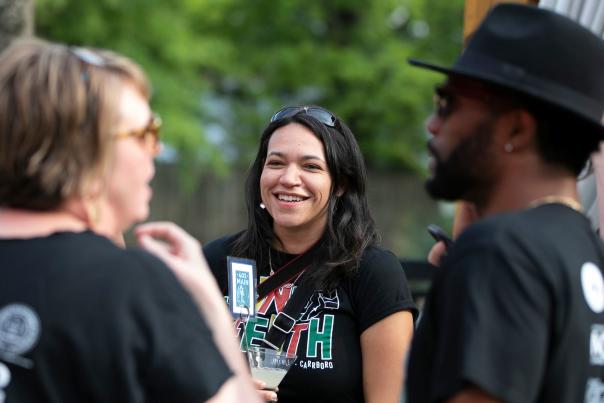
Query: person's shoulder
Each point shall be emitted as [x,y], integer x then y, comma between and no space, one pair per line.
[376,252]
[380,287]
[528,224]
[379,260]
[122,265]
[133,264]
[546,230]
[93,268]
[216,252]
[108,252]
[98,252]
[221,246]
[141,282]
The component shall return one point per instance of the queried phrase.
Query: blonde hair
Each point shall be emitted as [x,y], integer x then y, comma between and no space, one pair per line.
[58,112]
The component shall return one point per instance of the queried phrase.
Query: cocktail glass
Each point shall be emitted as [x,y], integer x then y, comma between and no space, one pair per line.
[269,365]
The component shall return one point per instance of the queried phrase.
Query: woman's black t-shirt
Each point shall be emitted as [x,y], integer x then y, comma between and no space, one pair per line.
[326,337]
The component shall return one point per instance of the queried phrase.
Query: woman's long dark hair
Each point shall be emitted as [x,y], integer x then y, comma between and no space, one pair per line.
[350,227]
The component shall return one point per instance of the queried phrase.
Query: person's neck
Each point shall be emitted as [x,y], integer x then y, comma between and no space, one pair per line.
[24,224]
[529,189]
[108,225]
[70,217]
[296,242]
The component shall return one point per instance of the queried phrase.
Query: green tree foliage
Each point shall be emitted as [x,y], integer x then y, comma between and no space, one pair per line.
[220,68]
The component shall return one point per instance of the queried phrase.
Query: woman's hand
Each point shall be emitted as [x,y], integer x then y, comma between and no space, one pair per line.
[179,250]
[269,395]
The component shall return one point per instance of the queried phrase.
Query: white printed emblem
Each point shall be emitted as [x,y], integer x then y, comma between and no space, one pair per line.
[4,376]
[596,345]
[593,286]
[19,329]
[594,391]
[4,381]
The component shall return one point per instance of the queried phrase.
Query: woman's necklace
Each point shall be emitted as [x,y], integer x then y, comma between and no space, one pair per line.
[270,262]
[567,201]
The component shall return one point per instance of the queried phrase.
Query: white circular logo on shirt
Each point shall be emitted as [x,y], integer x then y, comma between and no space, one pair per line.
[593,286]
[19,328]
[4,376]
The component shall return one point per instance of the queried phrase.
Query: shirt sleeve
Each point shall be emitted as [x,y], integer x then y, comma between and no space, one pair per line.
[380,288]
[492,319]
[216,253]
[181,361]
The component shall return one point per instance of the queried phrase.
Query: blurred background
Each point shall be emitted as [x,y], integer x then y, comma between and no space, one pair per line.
[221,68]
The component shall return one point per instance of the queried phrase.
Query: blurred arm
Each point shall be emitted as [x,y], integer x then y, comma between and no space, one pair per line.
[384,347]
[182,254]
[597,160]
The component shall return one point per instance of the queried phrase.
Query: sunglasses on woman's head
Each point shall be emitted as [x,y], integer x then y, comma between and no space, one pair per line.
[87,56]
[149,134]
[320,114]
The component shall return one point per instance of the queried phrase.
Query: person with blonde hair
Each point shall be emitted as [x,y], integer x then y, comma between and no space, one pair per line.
[81,318]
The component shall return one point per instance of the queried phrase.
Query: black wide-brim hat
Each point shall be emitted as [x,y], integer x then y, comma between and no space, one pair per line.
[539,53]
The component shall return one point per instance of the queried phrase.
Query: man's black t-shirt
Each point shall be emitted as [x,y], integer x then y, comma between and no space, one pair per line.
[82,320]
[326,337]
[517,310]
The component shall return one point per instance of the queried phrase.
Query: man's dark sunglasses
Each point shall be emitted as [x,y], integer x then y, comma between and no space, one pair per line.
[320,114]
[447,97]
[444,101]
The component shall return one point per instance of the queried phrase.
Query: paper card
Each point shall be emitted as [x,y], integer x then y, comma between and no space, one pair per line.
[242,286]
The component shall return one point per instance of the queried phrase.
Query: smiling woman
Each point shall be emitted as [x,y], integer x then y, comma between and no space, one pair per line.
[295,185]
[305,195]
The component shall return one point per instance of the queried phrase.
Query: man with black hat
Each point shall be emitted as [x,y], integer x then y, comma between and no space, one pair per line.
[515,313]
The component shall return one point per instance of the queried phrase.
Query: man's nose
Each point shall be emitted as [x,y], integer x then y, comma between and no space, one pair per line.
[432,124]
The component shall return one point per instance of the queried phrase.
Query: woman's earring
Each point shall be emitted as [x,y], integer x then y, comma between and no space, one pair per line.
[262,206]
[508,147]
[93,212]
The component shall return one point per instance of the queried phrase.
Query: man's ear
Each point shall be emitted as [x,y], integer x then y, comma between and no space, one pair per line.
[520,130]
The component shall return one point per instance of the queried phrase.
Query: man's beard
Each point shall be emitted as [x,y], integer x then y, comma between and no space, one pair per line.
[468,173]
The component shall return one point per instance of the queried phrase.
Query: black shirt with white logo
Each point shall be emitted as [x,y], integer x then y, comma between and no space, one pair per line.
[82,320]
[517,310]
